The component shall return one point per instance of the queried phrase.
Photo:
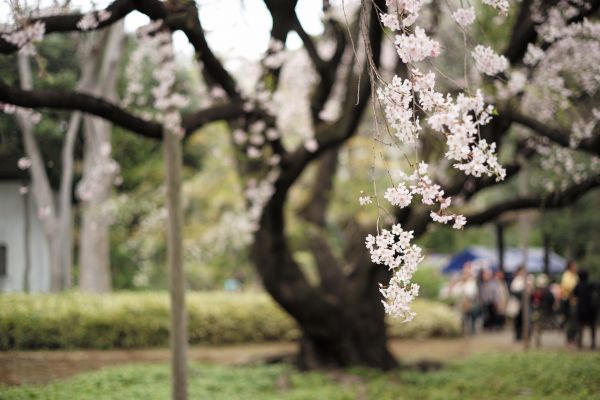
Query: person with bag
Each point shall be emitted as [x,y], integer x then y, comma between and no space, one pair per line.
[501,299]
[514,308]
[568,302]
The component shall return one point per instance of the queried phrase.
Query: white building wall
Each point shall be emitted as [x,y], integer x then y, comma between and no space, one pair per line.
[12,235]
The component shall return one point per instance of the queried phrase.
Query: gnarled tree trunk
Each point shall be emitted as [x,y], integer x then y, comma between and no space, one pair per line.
[341,318]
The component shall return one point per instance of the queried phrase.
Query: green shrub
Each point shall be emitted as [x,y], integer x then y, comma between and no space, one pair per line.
[430,282]
[134,320]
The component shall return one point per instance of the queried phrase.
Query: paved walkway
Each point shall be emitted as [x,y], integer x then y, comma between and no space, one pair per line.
[38,367]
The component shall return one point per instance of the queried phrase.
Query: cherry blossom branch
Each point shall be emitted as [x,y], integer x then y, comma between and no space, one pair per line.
[552,200]
[468,186]
[558,136]
[328,136]
[71,22]
[524,28]
[177,16]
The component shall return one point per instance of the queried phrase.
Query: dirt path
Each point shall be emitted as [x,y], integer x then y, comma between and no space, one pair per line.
[38,367]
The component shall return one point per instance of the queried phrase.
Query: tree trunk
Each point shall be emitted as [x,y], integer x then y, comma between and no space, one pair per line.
[356,337]
[99,169]
[342,320]
[65,197]
[94,252]
[94,265]
[40,185]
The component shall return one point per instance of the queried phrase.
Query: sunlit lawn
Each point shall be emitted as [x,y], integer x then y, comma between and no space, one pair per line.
[496,376]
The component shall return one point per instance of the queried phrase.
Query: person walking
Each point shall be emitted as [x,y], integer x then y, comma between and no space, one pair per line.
[501,299]
[568,301]
[586,296]
[542,307]
[469,304]
[488,296]
[517,286]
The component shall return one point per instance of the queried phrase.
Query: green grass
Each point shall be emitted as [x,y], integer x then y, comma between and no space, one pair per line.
[497,376]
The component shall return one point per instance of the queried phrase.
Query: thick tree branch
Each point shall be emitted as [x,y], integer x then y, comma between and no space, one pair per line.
[329,136]
[81,102]
[196,120]
[552,200]
[184,17]
[523,33]
[68,22]
[524,29]
[177,15]
[315,208]
[310,47]
[327,70]
[558,136]
[330,271]
[111,112]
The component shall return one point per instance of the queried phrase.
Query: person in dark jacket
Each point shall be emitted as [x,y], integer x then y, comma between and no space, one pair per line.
[586,295]
[542,307]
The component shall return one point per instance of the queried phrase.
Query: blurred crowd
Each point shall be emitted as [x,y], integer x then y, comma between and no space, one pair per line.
[488,299]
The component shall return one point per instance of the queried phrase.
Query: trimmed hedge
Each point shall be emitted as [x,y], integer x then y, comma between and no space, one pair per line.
[133,320]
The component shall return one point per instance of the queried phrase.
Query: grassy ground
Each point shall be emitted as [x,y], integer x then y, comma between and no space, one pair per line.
[549,375]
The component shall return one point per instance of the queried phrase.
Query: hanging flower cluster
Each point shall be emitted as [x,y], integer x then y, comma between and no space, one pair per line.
[562,71]
[401,13]
[464,16]
[155,44]
[500,5]
[487,61]
[393,249]
[407,101]
[416,47]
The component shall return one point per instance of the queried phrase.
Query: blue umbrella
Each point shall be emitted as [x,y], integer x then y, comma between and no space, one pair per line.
[470,254]
[513,258]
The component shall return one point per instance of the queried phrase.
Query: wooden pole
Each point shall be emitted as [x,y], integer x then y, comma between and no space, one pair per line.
[178,333]
[524,232]
[27,208]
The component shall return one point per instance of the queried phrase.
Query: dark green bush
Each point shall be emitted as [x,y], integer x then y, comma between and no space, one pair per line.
[430,282]
[134,320]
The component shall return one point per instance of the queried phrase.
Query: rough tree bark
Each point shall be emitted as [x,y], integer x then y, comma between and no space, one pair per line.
[341,320]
